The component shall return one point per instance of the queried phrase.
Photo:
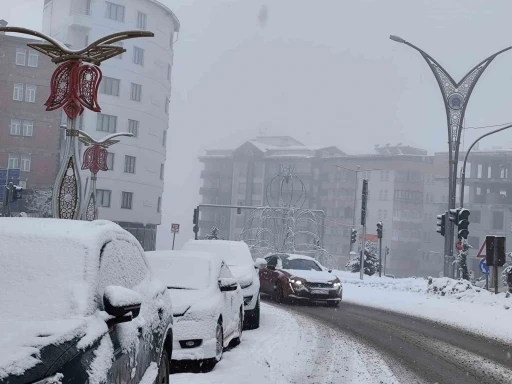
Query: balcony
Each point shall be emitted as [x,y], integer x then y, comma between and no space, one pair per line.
[80,15]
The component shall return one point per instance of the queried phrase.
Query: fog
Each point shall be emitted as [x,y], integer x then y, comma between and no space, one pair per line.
[324,72]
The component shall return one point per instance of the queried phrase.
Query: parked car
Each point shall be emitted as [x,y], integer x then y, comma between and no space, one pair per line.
[238,257]
[298,277]
[79,305]
[207,304]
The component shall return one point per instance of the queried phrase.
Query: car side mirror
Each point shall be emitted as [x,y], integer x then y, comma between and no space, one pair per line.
[122,303]
[227,284]
[260,263]
[271,267]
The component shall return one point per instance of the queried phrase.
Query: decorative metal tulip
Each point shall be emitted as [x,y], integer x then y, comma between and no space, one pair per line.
[74,86]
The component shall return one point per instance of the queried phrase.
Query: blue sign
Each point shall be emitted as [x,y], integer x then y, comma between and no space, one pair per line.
[3,182]
[13,176]
[483,267]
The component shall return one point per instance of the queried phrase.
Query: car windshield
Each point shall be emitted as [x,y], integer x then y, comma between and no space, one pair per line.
[301,264]
[180,272]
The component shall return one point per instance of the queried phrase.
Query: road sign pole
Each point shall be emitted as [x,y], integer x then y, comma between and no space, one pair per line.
[380,257]
[487,282]
[495,266]
[173,238]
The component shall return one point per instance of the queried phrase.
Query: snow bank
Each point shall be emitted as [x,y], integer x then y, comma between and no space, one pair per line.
[452,302]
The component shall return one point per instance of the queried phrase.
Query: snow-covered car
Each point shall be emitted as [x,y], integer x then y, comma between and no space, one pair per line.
[298,277]
[79,305]
[238,257]
[207,304]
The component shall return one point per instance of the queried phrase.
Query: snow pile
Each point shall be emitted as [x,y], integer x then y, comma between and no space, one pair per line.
[388,283]
[446,286]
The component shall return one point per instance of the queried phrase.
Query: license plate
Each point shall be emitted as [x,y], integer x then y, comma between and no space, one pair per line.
[319,292]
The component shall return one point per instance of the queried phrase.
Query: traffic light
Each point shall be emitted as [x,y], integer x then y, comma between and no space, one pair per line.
[353,236]
[500,251]
[16,193]
[454,216]
[489,250]
[441,224]
[379,229]
[196,216]
[463,224]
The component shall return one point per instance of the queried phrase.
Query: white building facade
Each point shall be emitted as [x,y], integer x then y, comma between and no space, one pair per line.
[134,97]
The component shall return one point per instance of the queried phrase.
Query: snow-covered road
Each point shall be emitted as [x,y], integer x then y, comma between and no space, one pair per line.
[292,348]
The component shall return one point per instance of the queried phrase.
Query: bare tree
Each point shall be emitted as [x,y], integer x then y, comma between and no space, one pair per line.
[39,201]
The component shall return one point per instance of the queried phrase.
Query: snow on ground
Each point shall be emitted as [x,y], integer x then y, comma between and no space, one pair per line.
[289,348]
[445,300]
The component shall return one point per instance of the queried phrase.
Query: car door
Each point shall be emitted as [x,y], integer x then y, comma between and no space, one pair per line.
[265,274]
[229,312]
[122,264]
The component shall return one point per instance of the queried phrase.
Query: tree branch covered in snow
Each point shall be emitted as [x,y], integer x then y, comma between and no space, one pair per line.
[371,261]
[39,201]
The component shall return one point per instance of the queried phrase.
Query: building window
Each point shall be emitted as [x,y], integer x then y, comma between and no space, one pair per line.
[103,197]
[30,93]
[15,127]
[17,93]
[475,216]
[126,200]
[138,56]
[33,59]
[13,161]
[129,164]
[20,56]
[106,123]
[141,20]
[115,12]
[109,86]
[239,211]
[162,167]
[133,127]
[28,128]
[159,205]
[25,163]
[497,220]
[169,72]
[164,139]
[110,161]
[136,92]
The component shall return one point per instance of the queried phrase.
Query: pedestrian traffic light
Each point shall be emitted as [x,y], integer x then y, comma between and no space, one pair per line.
[379,229]
[353,236]
[463,223]
[489,250]
[196,216]
[441,224]
[500,251]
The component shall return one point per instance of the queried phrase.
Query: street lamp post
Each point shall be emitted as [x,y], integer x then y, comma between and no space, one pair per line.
[455,97]
[463,171]
[74,87]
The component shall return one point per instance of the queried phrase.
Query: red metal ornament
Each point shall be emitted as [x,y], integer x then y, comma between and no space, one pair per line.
[95,159]
[74,85]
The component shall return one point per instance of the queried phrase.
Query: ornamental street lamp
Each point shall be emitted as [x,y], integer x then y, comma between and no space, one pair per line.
[95,159]
[455,97]
[74,86]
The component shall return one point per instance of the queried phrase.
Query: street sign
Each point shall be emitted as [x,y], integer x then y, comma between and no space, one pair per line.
[480,254]
[483,267]
[175,228]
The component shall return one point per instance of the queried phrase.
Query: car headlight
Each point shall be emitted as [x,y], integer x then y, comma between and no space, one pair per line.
[55,379]
[337,284]
[296,281]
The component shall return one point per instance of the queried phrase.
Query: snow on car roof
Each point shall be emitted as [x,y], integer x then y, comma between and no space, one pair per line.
[232,252]
[50,260]
[183,269]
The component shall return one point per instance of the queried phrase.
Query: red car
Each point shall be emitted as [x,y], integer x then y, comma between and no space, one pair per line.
[297,277]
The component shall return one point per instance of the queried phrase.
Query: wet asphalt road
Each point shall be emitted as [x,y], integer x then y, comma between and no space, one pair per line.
[435,353]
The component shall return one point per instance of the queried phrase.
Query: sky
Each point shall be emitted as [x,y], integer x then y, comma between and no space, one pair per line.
[322,71]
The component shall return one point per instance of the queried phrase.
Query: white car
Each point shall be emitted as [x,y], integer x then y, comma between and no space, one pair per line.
[207,304]
[239,260]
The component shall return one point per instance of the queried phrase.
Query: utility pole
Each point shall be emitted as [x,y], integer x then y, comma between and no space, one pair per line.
[355,203]
[364,201]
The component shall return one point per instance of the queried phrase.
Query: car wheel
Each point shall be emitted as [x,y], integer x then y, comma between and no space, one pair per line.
[238,340]
[208,364]
[164,369]
[278,294]
[252,318]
